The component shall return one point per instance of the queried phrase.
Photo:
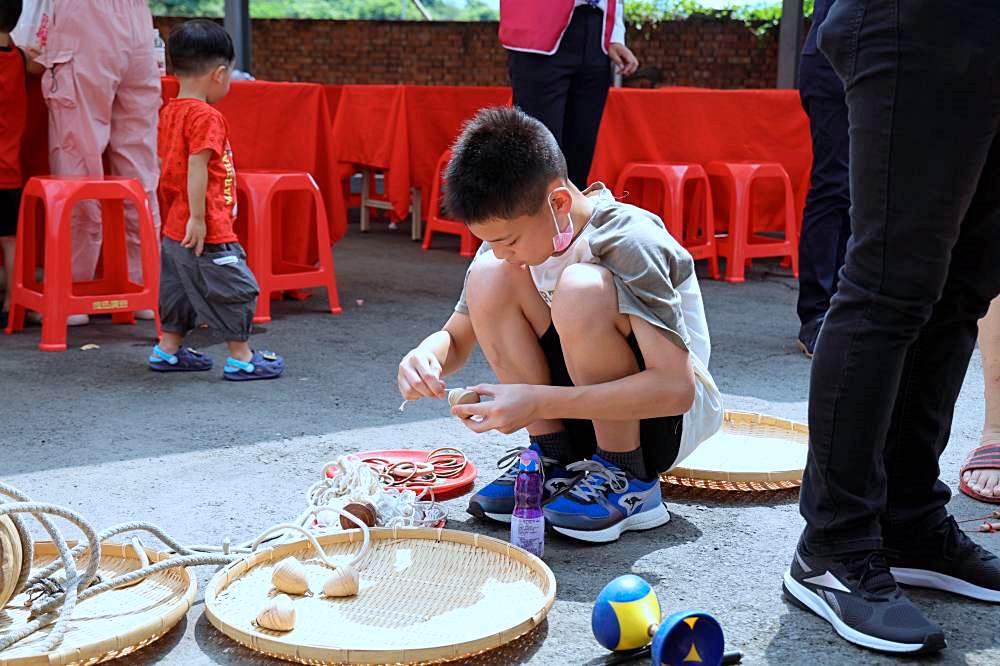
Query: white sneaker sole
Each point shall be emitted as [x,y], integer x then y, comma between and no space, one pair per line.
[646,520]
[499,517]
[939,581]
[818,606]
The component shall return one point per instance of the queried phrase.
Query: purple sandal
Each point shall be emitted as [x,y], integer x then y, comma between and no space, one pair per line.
[263,365]
[185,360]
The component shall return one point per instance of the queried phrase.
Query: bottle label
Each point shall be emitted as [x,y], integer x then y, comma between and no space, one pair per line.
[528,533]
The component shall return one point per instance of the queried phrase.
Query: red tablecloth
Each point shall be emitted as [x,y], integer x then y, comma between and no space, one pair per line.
[434,117]
[404,129]
[273,126]
[370,130]
[693,125]
[285,126]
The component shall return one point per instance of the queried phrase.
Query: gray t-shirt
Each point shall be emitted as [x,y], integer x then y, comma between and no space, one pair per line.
[646,261]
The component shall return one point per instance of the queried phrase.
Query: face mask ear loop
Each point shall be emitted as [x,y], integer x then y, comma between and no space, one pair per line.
[562,239]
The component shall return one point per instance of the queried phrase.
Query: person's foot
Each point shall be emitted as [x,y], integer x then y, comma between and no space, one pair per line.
[604,503]
[262,365]
[985,481]
[183,360]
[77,320]
[946,559]
[808,334]
[859,597]
[496,500]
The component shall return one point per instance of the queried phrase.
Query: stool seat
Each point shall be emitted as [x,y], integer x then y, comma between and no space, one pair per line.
[741,244]
[438,223]
[58,296]
[275,273]
[694,228]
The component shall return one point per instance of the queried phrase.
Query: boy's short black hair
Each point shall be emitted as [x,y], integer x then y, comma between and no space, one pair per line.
[501,166]
[10,13]
[198,46]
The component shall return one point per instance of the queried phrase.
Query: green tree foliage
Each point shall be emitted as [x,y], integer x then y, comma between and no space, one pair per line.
[470,10]
[760,15]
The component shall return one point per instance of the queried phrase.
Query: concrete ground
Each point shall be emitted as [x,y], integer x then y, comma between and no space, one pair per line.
[205,459]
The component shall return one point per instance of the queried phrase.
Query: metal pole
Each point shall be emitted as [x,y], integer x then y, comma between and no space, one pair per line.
[789,43]
[423,10]
[237,24]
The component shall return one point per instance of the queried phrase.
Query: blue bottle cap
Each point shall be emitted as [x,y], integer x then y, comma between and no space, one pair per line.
[529,462]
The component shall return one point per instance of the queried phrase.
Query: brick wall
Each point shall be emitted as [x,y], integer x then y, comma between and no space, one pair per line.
[698,52]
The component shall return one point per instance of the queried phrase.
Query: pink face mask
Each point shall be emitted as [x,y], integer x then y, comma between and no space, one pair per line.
[562,239]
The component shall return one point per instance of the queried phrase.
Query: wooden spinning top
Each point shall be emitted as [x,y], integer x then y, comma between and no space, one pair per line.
[364,511]
[462,396]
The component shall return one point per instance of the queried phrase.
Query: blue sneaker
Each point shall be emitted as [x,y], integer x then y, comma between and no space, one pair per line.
[496,500]
[605,503]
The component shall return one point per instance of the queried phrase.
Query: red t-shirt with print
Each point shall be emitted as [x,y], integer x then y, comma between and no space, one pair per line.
[13,116]
[189,126]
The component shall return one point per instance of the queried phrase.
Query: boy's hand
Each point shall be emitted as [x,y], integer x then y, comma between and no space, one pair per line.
[419,376]
[194,235]
[624,59]
[514,406]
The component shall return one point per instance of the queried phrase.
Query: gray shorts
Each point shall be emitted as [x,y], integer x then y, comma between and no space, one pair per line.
[217,288]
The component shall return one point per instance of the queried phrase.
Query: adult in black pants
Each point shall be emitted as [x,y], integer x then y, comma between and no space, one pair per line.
[923,92]
[567,90]
[826,222]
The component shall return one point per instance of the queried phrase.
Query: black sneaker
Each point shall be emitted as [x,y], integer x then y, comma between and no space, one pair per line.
[946,559]
[860,599]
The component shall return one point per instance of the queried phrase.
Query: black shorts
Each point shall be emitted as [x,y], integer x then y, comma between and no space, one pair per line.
[217,288]
[660,438]
[10,205]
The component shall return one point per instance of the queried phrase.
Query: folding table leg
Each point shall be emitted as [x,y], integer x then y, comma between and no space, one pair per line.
[365,192]
[416,222]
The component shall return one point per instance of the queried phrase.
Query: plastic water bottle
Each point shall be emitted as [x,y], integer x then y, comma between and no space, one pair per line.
[161,52]
[527,524]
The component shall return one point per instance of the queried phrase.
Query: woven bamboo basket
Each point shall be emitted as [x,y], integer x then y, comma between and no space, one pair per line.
[426,596]
[108,625]
[752,453]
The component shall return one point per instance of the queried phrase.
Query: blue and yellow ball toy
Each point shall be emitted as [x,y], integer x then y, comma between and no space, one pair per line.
[627,616]
[688,637]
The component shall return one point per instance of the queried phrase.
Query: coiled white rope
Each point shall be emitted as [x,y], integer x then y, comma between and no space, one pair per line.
[52,601]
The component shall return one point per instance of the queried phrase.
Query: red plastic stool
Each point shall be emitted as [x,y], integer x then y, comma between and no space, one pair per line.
[742,244]
[273,272]
[436,223]
[58,296]
[695,229]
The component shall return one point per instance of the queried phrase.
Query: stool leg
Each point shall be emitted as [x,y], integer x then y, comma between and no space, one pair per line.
[674,198]
[58,280]
[428,233]
[24,248]
[791,228]
[115,255]
[739,216]
[325,253]
[713,257]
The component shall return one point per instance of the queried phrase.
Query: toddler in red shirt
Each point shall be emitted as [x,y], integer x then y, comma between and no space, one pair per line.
[13,116]
[204,277]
